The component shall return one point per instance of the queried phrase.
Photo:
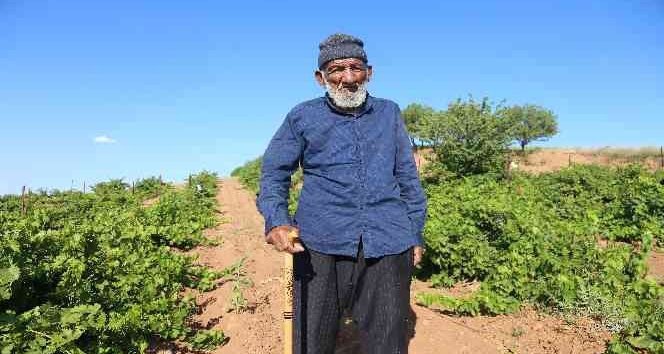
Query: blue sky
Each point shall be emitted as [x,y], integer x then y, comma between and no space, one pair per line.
[181,86]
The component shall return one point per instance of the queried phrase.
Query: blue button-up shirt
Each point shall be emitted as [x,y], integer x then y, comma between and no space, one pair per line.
[360,179]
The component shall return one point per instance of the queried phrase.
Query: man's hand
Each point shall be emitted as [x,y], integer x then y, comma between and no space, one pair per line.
[278,237]
[418,252]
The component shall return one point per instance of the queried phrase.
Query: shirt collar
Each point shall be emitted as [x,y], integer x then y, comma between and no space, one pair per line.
[366,106]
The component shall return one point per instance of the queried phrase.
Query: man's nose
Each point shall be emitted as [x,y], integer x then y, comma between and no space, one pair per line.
[347,77]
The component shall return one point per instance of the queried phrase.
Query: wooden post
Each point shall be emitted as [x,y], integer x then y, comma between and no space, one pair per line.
[289,293]
[83,187]
[133,185]
[27,200]
[569,160]
[23,201]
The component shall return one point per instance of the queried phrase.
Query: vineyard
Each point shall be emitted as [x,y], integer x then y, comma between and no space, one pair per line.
[572,243]
[104,272]
[110,271]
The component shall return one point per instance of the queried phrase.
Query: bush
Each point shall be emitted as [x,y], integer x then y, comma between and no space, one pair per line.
[84,273]
[534,239]
[469,138]
[150,187]
[249,176]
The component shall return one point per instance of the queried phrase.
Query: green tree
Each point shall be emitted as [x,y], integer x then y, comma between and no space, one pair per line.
[414,115]
[468,138]
[531,123]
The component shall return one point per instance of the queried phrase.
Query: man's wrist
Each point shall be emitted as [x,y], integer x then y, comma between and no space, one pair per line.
[276,227]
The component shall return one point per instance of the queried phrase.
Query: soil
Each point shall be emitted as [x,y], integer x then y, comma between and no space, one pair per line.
[258,329]
[552,159]
[656,266]
[556,159]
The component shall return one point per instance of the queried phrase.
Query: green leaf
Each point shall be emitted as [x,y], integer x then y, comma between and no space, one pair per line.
[7,277]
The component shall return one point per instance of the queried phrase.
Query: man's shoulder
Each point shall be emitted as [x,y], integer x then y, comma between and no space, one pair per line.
[314,104]
[384,103]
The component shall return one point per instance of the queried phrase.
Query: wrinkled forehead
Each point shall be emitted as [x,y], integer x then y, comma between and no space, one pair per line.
[344,62]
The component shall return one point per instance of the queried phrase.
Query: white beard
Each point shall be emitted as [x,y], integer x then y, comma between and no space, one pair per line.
[345,98]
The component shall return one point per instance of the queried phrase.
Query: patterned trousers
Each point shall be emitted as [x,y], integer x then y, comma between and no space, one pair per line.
[374,291]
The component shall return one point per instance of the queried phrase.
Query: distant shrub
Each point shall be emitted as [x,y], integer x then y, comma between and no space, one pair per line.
[249,174]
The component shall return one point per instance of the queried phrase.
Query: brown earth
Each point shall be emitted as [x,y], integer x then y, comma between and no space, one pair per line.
[258,328]
[556,159]
[656,266]
[552,159]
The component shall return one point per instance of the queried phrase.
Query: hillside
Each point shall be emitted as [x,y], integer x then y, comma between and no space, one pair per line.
[552,159]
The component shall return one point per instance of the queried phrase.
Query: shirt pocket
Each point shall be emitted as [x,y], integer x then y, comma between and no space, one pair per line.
[332,147]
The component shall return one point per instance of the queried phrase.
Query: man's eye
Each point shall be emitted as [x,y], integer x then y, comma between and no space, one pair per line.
[339,69]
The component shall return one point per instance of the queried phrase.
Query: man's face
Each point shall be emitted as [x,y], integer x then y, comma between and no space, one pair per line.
[345,81]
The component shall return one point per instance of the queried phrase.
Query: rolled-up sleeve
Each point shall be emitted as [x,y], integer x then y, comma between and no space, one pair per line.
[280,160]
[408,178]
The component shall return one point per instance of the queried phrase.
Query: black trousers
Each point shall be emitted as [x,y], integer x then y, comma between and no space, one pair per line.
[374,291]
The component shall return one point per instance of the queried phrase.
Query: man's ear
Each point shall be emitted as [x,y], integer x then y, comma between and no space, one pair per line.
[319,77]
[369,72]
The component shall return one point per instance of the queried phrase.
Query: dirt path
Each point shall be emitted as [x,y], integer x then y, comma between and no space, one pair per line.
[258,330]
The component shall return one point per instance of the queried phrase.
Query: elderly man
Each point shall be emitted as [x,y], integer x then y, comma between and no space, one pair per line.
[361,210]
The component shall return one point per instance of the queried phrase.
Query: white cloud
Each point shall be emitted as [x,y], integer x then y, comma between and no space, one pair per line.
[103,139]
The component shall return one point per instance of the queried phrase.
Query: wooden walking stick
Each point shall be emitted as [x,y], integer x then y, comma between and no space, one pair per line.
[289,295]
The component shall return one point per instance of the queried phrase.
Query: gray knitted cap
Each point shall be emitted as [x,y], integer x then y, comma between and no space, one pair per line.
[339,46]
